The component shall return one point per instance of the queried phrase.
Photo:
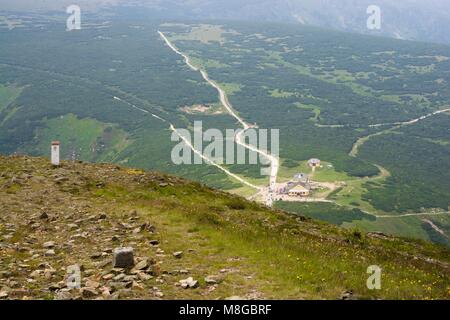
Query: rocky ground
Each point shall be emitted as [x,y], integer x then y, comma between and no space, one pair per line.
[62,230]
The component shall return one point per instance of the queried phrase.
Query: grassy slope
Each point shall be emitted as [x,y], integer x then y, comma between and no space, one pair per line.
[7,95]
[265,253]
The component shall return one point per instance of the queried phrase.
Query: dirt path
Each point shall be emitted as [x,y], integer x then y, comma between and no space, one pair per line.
[410,214]
[435,227]
[396,125]
[377,125]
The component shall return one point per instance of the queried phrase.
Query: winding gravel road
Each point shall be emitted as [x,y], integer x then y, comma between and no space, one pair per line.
[274,162]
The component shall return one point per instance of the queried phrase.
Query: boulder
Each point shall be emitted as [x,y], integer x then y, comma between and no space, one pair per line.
[123,258]
[178,254]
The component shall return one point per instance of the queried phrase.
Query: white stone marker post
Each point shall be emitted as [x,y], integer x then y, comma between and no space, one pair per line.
[55,153]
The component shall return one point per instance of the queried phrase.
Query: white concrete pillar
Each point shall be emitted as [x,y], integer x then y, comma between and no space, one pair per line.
[55,153]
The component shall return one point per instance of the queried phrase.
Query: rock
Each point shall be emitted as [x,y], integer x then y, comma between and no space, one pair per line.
[48,273]
[108,276]
[3,294]
[13,284]
[43,215]
[61,179]
[154,242]
[123,258]
[150,228]
[136,285]
[119,277]
[115,238]
[178,254]
[159,294]
[88,293]
[102,216]
[92,284]
[106,292]
[35,226]
[189,283]
[129,278]
[96,255]
[63,295]
[117,271]
[143,276]
[50,252]
[49,244]
[144,264]
[347,295]
[115,296]
[54,287]
[211,280]
[35,274]
[103,264]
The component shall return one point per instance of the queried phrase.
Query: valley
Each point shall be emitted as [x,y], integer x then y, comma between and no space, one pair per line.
[362,105]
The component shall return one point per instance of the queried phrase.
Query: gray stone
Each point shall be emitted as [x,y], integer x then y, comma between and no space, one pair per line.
[88,293]
[49,244]
[144,264]
[123,258]
[211,280]
[189,283]
[63,295]
[50,252]
[119,277]
[178,254]
[143,276]
[108,276]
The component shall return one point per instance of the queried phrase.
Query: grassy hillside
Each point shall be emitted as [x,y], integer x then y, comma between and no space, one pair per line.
[88,210]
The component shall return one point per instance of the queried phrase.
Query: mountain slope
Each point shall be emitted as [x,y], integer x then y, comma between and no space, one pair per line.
[88,210]
[406,19]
